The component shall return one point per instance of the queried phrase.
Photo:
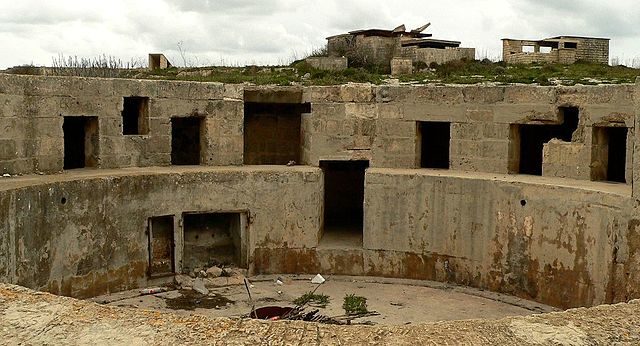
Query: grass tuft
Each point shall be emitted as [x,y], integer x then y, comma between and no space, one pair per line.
[355,305]
[319,300]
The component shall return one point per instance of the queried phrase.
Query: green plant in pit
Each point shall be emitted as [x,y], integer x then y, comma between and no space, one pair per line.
[354,305]
[319,300]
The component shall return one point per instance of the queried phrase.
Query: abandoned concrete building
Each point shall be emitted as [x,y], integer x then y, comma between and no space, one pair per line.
[379,47]
[560,49]
[526,190]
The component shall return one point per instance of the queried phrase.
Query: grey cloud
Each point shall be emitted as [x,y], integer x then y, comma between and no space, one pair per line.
[593,18]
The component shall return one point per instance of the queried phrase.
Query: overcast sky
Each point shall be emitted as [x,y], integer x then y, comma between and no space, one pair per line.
[239,32]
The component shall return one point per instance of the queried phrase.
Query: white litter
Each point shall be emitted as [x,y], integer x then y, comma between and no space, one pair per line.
[318,279]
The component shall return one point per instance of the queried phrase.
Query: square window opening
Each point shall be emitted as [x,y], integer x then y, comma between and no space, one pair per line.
[609,154]
[527,141]
[187,134]
[434,141]
[135,115]
[213,239]
[272,132]
[80,138]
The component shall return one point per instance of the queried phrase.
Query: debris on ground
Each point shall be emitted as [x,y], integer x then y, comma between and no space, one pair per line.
[198,286]
[214,272]
[154,290]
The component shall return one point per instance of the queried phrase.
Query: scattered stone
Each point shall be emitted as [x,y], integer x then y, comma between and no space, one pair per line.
[214,272]
[202,274]
[235,280]
[291,163]
[198,286]
[183,281]
[7,175]
[216,282]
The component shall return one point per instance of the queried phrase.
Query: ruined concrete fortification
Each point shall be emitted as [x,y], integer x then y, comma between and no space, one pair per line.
[378,47]
[525,190]
[560,49]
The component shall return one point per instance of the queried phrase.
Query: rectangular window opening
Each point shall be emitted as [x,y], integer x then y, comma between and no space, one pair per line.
[186,138]
[343,203]
[80,142]
[527,141]
[609,154]
[571,45]
[434,140]
[528,49]
[135,115]
[212,239]
[545,50]
[154,61]
[272,132]
[161,245]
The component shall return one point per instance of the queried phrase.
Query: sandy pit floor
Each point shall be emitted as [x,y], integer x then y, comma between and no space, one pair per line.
[398,302]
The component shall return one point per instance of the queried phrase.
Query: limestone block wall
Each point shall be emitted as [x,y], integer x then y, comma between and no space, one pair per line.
[566,160]
[328,63]
[596,50]
[587,49]
[528,58]
[32,110]
[84,234]
[441,56]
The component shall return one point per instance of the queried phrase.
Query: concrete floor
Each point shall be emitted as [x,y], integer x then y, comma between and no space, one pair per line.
[397,301]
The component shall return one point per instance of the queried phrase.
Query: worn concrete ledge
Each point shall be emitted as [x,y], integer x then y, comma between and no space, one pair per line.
[90,173]
[548,182]
[29,317]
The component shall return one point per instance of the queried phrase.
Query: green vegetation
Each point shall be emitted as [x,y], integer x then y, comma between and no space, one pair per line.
[301,73]
[355,305]
[319,300]
[471,72]
[458,72]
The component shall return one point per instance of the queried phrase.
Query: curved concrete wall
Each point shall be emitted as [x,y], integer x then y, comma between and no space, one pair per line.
[83,234]
[565,243]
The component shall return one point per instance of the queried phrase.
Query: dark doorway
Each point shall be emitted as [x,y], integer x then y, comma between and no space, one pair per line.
[135,116]
[80,142]
[212,239]
[528,140]
[186,134]
[272,132]
[609,154]
[161,245]
[434,138]
[343,202]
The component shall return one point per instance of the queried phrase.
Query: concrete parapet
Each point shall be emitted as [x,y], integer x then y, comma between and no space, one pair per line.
[328,63]
[401,66]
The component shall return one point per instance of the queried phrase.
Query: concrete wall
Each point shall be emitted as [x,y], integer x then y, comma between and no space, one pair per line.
[559,239]
[83,234]
[502,234]
[32,110]
[328,63]
[440,56]
[593,50]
